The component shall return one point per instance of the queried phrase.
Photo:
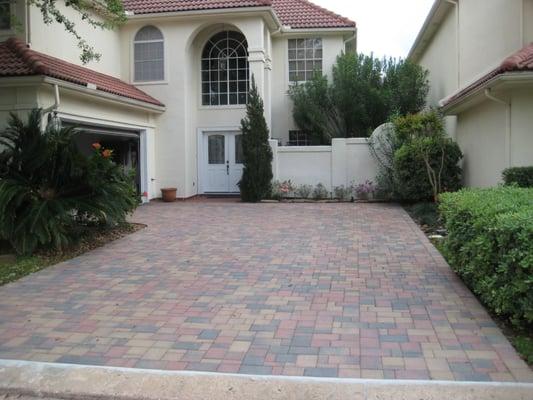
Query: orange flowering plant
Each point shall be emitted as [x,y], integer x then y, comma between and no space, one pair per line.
[50,193]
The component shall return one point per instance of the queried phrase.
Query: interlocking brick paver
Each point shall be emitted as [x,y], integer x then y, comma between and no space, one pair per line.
[330,290]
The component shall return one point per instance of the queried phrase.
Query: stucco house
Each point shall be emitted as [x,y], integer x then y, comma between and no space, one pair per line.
[480,57]
[172,83]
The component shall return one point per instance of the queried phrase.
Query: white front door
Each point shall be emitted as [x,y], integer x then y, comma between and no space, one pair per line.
[223,156]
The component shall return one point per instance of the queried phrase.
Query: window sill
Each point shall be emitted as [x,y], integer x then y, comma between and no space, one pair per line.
[151,83]
[228,107]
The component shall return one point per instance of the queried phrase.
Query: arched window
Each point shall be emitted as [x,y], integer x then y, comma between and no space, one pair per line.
[149,57]
[225,71]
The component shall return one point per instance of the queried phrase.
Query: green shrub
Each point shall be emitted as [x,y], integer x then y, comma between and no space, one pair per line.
[256,181]
[320,192]
[304,191]
[362,93]
[490,246]
[413,126]
[411,181]
[426,162]
[49,192]
[519,176]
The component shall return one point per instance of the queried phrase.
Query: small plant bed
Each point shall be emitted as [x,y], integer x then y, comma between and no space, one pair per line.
[287,192]
[92,239]
[426,215]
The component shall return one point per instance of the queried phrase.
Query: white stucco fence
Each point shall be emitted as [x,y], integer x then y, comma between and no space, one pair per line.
[345,162]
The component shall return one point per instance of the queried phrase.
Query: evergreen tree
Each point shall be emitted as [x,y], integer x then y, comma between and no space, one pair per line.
[257,176]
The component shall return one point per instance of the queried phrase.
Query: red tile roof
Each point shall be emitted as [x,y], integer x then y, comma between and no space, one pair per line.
[304,14]
[521,61]
[16,59]
[293,13]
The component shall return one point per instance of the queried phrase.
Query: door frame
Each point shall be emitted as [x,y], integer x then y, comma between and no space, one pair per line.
[200,152]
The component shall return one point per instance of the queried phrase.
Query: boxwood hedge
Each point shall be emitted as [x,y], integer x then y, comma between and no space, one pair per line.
[490,245]
[519,176]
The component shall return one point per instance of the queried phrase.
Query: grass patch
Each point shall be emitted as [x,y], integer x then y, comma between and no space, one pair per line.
[25,265]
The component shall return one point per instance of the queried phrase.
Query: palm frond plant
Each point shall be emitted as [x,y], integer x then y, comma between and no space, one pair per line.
[49,192]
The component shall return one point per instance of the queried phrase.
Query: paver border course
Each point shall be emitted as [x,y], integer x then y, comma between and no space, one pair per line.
[66,381]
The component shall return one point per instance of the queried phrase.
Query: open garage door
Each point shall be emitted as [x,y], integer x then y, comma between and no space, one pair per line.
[126,145]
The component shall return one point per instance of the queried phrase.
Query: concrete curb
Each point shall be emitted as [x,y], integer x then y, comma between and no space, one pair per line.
[66,381]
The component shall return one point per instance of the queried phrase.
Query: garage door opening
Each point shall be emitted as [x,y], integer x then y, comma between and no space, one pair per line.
[124,143]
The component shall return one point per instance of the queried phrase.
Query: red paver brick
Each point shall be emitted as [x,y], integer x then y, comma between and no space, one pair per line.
[348,290]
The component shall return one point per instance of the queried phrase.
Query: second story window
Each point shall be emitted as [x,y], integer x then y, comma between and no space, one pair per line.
[225,70]
[305,59]
[5,15]
[149,58]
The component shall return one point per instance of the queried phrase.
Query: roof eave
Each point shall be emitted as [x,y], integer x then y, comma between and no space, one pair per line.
[344,29]
[433,20]
[477,94]
[275,22]
[146,106]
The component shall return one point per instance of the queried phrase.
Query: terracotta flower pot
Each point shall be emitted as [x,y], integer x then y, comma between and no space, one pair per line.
[169,194]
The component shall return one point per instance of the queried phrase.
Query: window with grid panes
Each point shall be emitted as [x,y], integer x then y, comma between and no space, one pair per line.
[305,58]
[225,71]
[5,15]
[149,57]
[299,138]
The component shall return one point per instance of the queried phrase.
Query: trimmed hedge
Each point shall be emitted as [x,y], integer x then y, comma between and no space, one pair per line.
[490,245]
[520,176]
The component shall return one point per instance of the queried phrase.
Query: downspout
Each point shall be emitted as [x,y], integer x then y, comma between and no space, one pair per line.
[53,120]
[28,23]
[352,37]
[57,101]
[457,40]
[508,126]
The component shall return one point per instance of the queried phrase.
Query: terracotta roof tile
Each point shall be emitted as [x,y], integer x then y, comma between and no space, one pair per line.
[521,61]
[16,59]
[293,13]
[304,14]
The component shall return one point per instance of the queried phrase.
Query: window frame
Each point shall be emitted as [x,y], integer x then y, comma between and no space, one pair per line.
[228,106]
[165,58]
[307,141]
[288,60]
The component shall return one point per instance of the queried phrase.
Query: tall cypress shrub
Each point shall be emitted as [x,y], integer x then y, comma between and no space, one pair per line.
[257,176]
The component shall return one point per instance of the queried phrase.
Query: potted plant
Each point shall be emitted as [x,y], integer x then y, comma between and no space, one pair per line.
[169,194]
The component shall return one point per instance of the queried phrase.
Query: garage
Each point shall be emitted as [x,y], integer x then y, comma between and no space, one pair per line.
[125,143]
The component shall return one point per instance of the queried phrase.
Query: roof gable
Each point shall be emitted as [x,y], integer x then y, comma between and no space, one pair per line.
[16,59]
[298,14]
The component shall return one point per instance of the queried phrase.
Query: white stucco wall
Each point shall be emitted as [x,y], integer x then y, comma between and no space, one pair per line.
[18,100]
[346,162]
[481,136]
[522,128]
[440,58]
[528,22]
[305,165]
[490,30]
[53,40]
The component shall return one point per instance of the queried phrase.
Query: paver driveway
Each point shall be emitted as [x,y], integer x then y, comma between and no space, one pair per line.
[286,289]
